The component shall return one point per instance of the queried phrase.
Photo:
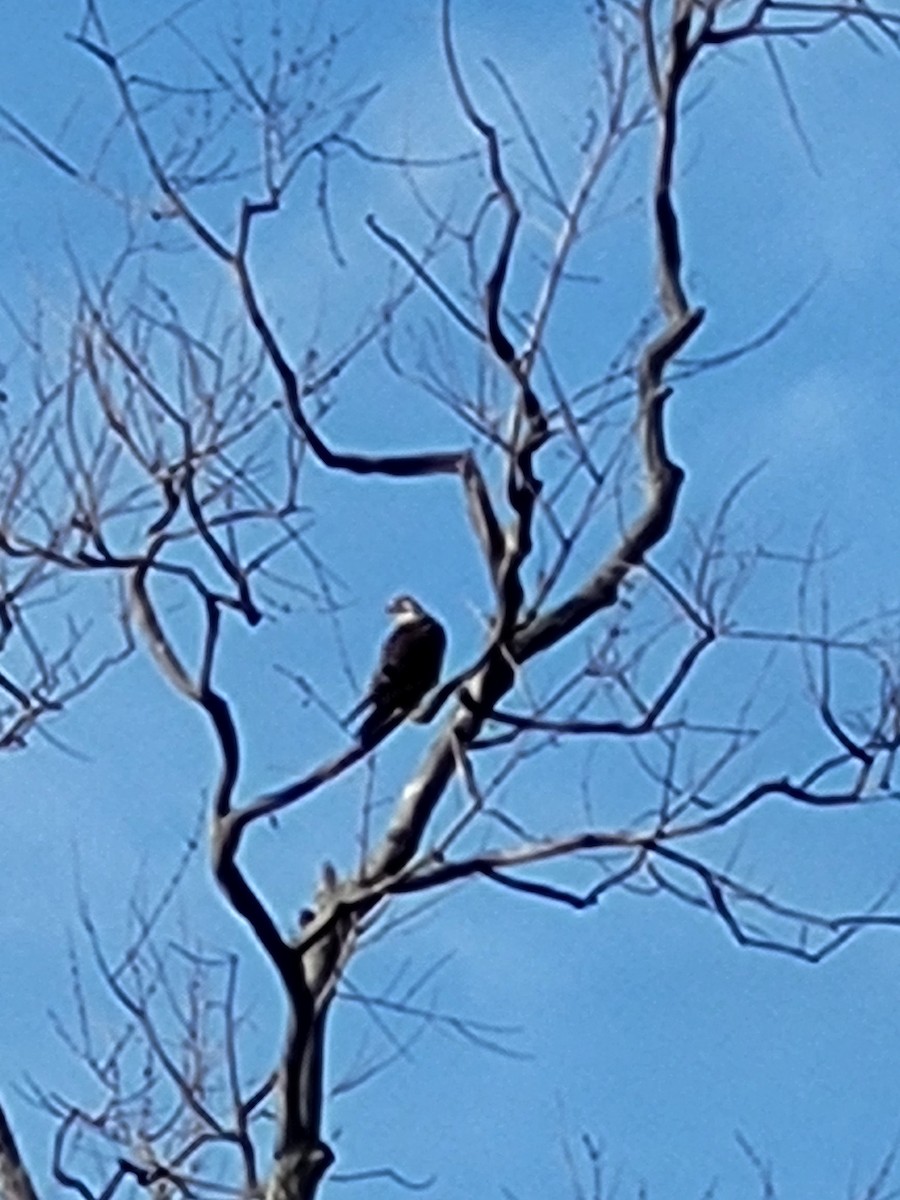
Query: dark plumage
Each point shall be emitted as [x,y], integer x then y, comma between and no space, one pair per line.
[409,667]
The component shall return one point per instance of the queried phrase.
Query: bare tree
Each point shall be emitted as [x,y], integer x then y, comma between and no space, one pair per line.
[171,449]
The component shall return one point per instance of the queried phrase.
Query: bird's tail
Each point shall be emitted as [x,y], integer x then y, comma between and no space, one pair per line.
[377,726]
[358,709]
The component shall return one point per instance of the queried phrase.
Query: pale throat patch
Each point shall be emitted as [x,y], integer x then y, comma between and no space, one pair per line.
[406,618]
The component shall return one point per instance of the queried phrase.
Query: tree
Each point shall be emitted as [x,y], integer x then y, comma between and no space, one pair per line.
[212,457]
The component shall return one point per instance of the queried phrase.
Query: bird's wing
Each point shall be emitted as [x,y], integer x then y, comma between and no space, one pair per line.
[433,649]
[408,667]
[396,650]
[398,655]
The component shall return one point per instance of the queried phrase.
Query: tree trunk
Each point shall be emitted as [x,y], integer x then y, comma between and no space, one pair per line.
[298,1173]
[14,1181]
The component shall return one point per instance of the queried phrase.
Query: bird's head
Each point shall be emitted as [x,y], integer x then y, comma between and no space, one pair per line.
[404,608]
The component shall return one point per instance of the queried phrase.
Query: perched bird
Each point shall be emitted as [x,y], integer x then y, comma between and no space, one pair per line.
[409,667]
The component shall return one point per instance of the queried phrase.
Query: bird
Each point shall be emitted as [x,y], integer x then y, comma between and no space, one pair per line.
[408,668]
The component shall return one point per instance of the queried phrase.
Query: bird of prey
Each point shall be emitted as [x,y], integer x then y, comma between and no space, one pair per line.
[409,667]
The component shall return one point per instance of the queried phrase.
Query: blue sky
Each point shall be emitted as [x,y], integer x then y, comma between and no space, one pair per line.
[640,1022]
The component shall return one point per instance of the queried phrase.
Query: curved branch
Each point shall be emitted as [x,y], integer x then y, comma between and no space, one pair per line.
[225,830]
[664,477]
[398,466]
